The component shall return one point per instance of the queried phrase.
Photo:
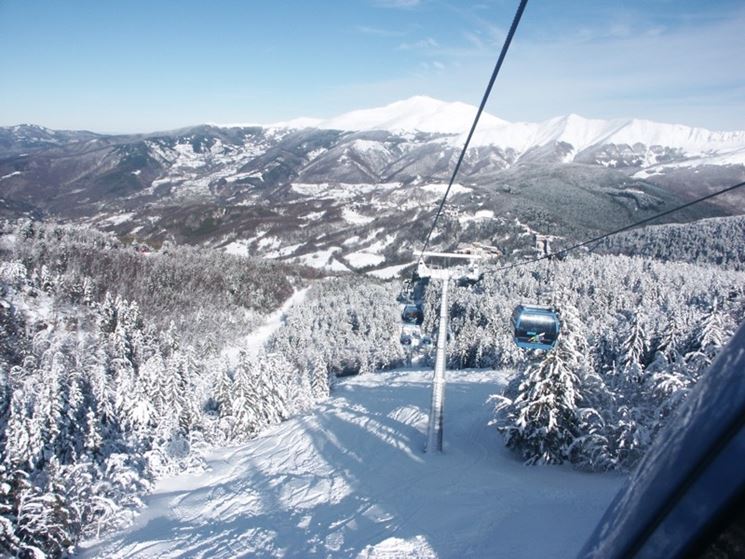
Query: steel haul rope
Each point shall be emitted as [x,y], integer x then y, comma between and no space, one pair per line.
[599,238]
[500,60]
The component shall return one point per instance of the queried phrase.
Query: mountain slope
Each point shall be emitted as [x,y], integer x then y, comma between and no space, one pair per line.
[357,191]
[350,480]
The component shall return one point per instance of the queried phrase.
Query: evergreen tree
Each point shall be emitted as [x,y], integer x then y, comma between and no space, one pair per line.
[708,337]
[320,387]
[542,421]
[635,346]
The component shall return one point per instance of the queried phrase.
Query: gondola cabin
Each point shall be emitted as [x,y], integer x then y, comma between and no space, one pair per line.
[535,326]
[412,314]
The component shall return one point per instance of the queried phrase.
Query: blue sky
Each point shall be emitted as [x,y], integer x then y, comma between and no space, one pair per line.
[127,66]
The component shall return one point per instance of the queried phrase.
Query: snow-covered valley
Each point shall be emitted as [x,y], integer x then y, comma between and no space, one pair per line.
[351,479]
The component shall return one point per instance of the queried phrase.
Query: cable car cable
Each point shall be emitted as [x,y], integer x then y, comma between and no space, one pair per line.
[599,238]
[495,72]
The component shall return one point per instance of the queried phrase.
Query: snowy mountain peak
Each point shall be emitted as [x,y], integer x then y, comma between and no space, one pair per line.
[583,133]
[425,114]
[418,113]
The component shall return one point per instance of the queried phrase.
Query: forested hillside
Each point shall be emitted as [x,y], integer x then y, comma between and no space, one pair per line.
[112,374]
[350,325]
[637,333]
[115,371]
[719,241]
[203,292]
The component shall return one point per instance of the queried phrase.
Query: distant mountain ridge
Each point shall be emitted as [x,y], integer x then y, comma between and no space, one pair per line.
[356,191]
[425,114]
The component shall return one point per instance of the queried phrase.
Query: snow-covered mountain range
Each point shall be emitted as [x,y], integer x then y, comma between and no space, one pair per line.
[356,190]
[426,114]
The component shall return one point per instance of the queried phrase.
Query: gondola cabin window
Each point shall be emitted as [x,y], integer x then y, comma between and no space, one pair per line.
[535,326]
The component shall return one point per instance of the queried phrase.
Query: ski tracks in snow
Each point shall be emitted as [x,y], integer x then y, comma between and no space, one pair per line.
[351,480]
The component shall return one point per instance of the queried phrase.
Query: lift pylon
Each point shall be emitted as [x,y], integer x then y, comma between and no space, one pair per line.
[437,406]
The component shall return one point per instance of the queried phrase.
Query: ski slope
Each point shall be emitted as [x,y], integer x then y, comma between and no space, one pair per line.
[351,480]
[254,342]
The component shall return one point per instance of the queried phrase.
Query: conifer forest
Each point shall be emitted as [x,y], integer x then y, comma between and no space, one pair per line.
[116,369]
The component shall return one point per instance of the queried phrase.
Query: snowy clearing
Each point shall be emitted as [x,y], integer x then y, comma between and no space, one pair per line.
[355,218]
[477,216]
[364,258]
[390,271]
[340,191]
[117,219]
[254,342]
[322,259]
[440,188]
[351,480]
[238,248]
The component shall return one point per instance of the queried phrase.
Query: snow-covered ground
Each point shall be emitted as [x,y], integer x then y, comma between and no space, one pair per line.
[390,271]
[351,480]
[253,343]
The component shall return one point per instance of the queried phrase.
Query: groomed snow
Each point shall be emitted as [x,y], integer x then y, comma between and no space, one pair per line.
[351,480]
[254,342]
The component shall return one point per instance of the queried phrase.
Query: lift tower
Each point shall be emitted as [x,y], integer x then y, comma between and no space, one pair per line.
[437,407]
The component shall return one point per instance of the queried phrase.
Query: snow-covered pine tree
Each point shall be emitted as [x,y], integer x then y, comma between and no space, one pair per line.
[93,439]
[223,390]
[107,314]
[319,378]
[672,336]
[542,422]
[635,345]
[709,335]
[632,435]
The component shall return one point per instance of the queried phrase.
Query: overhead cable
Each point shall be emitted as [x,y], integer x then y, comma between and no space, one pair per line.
[599,238]
[500,60]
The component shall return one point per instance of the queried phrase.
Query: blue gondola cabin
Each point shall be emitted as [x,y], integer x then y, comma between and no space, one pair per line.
[412,314]
[535,326]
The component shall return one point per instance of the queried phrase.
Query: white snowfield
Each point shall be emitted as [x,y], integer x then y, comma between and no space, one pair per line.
[351,480]
[426,114]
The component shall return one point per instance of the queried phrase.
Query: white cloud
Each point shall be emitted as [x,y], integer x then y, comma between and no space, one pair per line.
[428,43]
[377,31]
[397,3]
